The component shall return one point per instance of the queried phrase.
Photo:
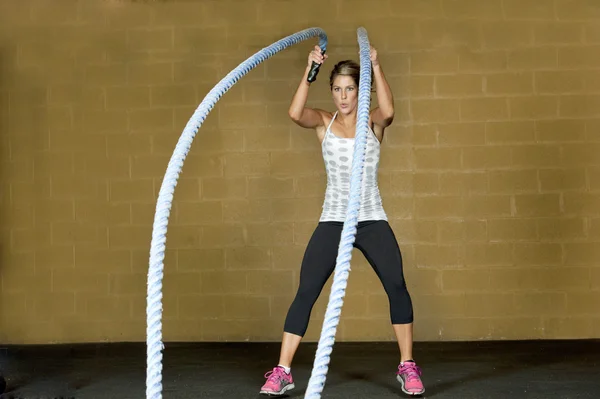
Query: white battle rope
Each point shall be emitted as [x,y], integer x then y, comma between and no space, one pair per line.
[154,343]
[342,267]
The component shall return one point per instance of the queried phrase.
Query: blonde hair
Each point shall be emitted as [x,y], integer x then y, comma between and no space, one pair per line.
[347,68]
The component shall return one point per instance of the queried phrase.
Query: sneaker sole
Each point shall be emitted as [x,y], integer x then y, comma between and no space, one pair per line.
[401,381]
[282,392]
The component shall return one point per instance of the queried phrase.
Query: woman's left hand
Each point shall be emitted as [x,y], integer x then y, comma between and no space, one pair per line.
[374,58]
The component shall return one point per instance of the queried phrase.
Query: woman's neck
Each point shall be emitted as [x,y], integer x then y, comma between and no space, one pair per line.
[347,121]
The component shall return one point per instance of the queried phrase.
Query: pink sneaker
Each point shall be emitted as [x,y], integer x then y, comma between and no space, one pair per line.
[409,375]
[278,382]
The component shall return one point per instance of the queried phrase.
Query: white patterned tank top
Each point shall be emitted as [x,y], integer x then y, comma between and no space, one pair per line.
[337,155]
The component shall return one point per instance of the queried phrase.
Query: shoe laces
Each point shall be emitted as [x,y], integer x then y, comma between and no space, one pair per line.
[274,375]
[413,372]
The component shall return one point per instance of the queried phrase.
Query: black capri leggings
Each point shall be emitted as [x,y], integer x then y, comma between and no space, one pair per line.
[377,242]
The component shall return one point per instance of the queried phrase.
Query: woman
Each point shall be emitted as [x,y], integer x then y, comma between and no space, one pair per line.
[374,237]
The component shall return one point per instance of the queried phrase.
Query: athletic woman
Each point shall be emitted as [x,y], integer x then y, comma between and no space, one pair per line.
[374,237]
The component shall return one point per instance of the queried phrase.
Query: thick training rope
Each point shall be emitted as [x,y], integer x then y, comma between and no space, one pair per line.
[342,267]
[165,198]
[154,345]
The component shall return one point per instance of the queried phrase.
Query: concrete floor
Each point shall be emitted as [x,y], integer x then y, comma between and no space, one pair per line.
[477,370]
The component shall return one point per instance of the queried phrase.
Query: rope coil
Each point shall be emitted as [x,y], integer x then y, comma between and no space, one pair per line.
[154,344]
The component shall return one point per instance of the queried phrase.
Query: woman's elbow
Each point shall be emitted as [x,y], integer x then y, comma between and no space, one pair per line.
[294,115]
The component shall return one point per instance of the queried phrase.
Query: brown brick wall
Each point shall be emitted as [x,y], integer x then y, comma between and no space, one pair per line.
[490,173]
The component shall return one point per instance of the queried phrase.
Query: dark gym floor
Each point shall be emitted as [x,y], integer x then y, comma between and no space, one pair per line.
[466,370]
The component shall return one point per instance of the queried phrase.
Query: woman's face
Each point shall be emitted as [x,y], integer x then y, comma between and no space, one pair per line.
[345,94]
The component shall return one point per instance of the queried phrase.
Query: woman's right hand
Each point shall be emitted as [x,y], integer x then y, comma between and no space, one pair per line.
[316,56]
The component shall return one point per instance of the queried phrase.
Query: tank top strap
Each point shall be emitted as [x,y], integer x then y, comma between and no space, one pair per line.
[331,122]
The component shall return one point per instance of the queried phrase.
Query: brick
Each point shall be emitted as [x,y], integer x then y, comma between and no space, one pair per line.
[567,10]
[535,155]
[562,130]
[558,33]
[400,207]
[562,179]
[235,116]
[534,107]
[510,132]
[242,210]
[148,119]
[462,183]
[429,8]
[507,34]
[221,188]
[421,135]
[268,139]
[246,164]
[459,85]
[593,176]
[472,8]
[148,39]
[536,58]
[274,283]
[173,95]
[438,158]
[120,237]
[561,229]
[446,33]
[508,181]
[131,190]
[437,256]
[488,254]
[486,157]
[462,134]
[101,212]
[208,306]
[527,327]
[445,61]
[532,304]
[482,109]
[591,32]
[109,74]
[292,209]
[205,166]
[200,259]
[108,260]
[438,207]
[199,212]
[538,253]
[395,64]
[458,231]
[579,154]
[421,86]
[466,280]
[438,110]
[270,187]
[295,163]
[75,232]
[580,57]
[425,182]
[222,235]
[484,205]
[509,83]
[480,305]
[511,229]
[528,9]
[55,304]
[579,105]
[581,204]
[537,204]
[134,144]
[478,61]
